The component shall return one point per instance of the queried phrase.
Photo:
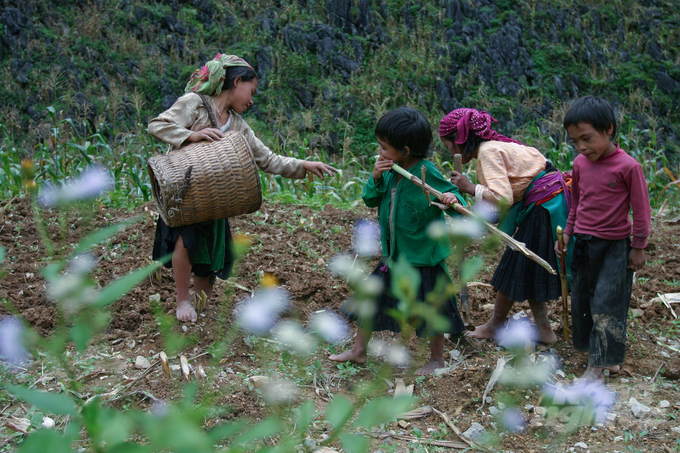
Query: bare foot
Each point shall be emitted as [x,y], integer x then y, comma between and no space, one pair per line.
[592,374]
[614,369]
[485,331]
[430,367]
[186,312]
[349,356]
[546,335]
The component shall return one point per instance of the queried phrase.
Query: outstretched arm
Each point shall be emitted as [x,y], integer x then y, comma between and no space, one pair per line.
[320,169]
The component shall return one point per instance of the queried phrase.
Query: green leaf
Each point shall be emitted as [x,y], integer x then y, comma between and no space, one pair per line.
[304,415]
[381,410]
[173,341]
[51,403]
[130,448]
[471,267]
[354,443]
[338,411]
[122,286]
[103,234]
[46,441]
[225,430]
[405,280]
[265,428]
[3,253]
[80,335]
[109,426]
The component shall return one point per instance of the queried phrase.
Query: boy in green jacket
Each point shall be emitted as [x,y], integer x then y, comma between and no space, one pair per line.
[404,214]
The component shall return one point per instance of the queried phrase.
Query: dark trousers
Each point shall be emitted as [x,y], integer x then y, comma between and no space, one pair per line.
[600,298]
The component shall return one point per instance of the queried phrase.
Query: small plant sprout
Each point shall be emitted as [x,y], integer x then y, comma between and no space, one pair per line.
[11,341]
[366,238]
[91,183]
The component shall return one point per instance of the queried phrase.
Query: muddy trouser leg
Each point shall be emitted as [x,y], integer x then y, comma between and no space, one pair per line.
[601,291]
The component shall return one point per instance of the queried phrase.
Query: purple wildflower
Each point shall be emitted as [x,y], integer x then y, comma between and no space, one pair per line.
[513,420]
[516,334]
[91,183]
[11,341]
[366,238]
[259,314]
[330,326]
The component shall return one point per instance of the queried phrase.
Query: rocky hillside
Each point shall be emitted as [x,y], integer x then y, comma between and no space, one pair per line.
[328,69]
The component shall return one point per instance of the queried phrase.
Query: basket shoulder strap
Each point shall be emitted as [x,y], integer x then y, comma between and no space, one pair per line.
[211,115]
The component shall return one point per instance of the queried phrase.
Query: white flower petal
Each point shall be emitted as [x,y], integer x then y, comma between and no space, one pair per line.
[330,326]
[466,227]
[11,341]
[516,334]
[294,338]
[259,314]
[280,392]
[366,238]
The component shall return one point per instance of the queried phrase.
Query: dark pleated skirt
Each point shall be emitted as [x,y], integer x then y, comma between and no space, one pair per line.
[209,245]
[521,278]
[380,319]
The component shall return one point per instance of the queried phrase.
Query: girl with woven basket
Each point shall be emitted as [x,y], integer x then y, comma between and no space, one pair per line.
[520,178]
[222,89]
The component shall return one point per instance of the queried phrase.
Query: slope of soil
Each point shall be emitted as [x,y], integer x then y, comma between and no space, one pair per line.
[295,244]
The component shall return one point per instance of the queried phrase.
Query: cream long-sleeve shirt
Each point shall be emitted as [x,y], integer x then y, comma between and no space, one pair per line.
[505,170]
[188,114]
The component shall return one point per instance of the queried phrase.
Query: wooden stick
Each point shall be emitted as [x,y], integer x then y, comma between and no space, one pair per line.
[509,240]
[565,288]
[464,297]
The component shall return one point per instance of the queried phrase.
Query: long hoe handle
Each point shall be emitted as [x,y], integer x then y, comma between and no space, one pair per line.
[565,288]
[509,240]
[464,297]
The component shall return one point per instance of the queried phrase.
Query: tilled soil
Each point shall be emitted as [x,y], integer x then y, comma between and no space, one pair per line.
[295,243]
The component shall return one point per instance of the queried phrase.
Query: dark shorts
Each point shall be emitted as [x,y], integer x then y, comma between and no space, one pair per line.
[600,297]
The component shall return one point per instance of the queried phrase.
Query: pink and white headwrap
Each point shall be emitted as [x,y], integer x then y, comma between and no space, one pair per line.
[463,121]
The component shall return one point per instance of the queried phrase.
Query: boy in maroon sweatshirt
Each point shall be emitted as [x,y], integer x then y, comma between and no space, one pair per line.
[607,182]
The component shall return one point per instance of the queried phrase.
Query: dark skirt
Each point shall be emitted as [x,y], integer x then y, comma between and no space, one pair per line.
[209,245]
[521,278]
[379,318]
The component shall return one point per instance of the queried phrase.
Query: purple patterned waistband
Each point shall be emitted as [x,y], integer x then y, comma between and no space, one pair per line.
[546,186]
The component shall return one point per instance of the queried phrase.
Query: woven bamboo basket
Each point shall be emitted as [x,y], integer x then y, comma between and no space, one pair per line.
[206,181]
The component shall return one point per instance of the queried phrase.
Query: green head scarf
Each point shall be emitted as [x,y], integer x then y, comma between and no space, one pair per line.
[210,78]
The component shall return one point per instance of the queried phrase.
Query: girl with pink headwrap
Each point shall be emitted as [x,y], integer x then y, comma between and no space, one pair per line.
[519,181]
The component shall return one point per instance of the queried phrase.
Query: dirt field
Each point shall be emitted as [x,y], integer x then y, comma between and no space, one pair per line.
[295,244]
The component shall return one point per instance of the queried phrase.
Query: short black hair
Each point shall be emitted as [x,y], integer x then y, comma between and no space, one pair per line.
[234,72]
[405,126]
[592,110]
